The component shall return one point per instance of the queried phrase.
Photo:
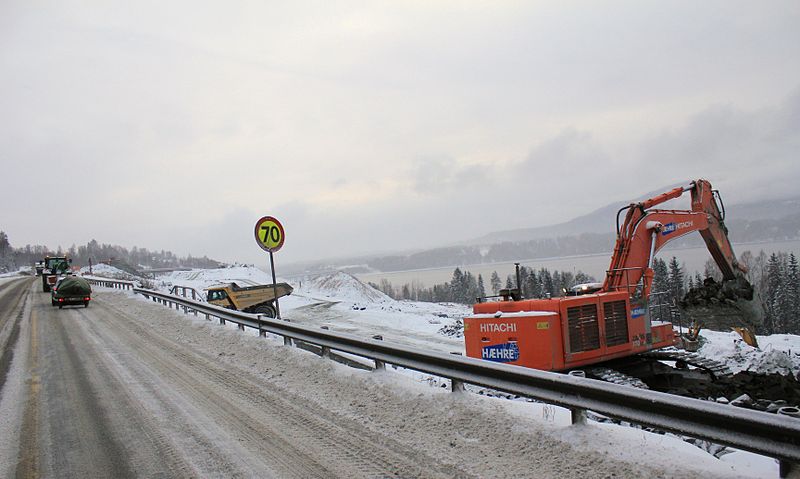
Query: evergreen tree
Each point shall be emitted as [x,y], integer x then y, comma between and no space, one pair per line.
[557,284]
[675,280]
[547,282]
[495,282]
[5,246]
[534,286]
[774,280]
[661,276]
[457,286]
[406,292]
[6,257]
[469,289]
[481,288]
[793,295]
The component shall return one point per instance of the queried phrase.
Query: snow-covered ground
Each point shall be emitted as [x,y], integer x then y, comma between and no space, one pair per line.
[107,271]
[340,302]
[5,277]
[777,353]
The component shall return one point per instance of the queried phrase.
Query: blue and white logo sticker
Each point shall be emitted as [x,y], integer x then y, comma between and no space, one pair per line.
[638,312]
[673,227]
[501,353]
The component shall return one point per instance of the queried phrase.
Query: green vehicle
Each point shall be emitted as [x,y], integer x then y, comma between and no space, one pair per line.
[71,290]
[52,267]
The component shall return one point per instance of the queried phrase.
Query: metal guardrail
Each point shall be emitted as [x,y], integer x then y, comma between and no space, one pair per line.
[110,283]
[759,432]
[185,291]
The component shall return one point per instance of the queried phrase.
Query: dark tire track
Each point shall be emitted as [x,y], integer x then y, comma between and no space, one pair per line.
[12,297]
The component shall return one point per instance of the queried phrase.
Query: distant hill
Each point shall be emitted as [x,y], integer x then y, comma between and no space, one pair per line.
[593,233]
[601,220]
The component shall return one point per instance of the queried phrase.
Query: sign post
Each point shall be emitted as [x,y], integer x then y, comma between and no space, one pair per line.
[270,236]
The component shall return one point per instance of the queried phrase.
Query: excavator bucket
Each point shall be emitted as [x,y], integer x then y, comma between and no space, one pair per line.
[724,305]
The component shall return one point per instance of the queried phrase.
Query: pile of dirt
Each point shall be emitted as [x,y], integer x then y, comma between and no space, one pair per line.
[723,305]
[713,292]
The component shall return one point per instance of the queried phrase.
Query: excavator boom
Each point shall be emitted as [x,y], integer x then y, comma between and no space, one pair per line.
[646,230]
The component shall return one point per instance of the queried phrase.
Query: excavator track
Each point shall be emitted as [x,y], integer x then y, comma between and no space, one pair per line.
[613,376]
[717,369]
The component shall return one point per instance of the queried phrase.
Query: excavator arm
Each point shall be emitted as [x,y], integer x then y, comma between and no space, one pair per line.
[646,230]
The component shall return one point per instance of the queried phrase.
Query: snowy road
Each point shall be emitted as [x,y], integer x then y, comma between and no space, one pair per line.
[126,388]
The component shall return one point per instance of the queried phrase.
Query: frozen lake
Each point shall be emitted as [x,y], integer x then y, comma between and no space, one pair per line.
[693,259]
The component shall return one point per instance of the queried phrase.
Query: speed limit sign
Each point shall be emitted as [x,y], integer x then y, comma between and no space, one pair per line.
[269,234]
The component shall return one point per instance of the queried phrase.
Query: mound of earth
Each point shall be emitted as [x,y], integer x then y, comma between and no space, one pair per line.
[346,287]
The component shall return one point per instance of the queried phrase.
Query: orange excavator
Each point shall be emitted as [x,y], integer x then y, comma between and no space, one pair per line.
[608,321]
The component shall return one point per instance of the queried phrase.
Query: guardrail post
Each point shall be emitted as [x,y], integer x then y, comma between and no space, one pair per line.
[787,467]
[577,414]
[287,341]
[326,352]
[241,327]
[456,386]
[208,317]
[221,321]
[261,332]
[379,365]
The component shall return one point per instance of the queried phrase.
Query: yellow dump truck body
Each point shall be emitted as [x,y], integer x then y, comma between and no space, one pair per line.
[250,299]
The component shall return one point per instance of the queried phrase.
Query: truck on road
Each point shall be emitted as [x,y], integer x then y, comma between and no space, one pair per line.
[251,299]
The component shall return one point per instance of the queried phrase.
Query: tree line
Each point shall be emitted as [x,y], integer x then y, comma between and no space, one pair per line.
[14,258]
[775,279]
[465,288]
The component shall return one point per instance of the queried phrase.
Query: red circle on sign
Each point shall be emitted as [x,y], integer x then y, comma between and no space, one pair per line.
[269,234]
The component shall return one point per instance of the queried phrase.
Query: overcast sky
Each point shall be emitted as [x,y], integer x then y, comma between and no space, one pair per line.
[375,126]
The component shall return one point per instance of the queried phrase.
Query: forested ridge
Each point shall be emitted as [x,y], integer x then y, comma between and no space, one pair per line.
[12,258]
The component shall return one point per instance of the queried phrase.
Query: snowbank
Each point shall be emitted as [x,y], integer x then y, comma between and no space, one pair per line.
[778,353]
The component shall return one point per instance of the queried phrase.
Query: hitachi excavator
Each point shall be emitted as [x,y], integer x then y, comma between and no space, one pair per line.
[608,321]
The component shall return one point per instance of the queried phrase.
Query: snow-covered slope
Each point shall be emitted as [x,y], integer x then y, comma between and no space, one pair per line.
[203,278]
[344,287]
[107,271]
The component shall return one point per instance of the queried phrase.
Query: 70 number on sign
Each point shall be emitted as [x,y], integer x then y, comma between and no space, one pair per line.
[272,234]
